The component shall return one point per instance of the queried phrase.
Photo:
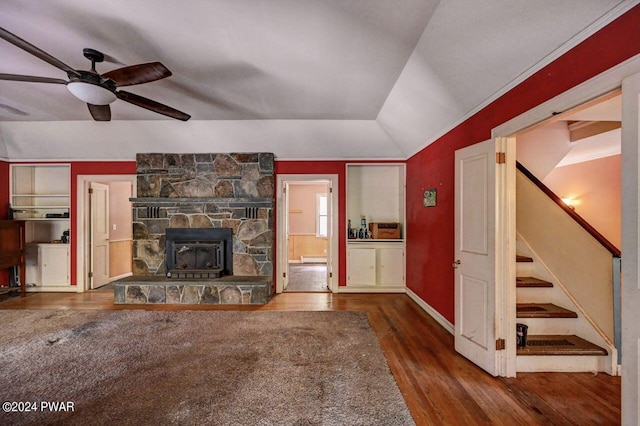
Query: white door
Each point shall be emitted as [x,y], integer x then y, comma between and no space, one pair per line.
[99,234]
[329,235]
[475,256]
[630,250]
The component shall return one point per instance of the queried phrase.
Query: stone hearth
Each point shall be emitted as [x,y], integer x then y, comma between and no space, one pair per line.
[186,191]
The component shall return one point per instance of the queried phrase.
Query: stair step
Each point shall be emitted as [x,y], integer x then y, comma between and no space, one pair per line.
[523,258]
[543,310]
[553,344]
[532,282]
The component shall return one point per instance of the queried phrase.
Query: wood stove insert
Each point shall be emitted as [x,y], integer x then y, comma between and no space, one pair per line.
[199,252]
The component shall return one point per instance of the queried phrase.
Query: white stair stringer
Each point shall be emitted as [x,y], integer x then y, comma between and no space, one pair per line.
[581,326]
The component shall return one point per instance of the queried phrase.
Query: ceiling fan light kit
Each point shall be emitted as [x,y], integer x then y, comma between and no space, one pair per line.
[97,90]
[91,93]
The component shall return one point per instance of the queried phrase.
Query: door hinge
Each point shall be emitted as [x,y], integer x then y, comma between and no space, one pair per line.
[90,274]
[284,275]
[330,190]
[500,344]
[330,274]
[501,157]
[90,190]
[284,189]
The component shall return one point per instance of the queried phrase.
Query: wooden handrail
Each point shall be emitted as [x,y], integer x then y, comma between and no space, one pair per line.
[615,251]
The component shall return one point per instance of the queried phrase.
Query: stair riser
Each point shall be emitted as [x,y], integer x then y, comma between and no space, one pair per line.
[534,295]
[572,364]
[525,269]
[549,325]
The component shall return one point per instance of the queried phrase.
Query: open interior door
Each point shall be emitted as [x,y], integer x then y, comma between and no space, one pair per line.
[99,234]
[476,255]
[630,250]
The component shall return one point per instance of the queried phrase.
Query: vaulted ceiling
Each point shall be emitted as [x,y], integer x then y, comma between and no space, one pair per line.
[305,79]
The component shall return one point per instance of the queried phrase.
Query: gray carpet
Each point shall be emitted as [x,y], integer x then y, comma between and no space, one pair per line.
[197,367]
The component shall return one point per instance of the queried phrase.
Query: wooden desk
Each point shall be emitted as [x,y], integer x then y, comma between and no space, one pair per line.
[13,251]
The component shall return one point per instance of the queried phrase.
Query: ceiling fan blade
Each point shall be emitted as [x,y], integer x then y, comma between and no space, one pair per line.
[152,105]
[138,74]
[31,78]
[100,112]
[37,52]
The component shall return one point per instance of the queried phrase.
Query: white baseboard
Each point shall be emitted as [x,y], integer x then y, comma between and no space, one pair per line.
[53,289]
[370,289]
[432,312]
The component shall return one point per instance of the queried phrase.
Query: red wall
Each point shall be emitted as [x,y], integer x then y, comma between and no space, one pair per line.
[4,200]
[4,188]
[430,240]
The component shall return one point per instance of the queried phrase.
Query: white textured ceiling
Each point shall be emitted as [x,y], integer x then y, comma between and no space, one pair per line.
[300,78]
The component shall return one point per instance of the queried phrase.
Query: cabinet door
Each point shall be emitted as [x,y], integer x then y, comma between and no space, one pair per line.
[54,265]
[390,266]
[361,266]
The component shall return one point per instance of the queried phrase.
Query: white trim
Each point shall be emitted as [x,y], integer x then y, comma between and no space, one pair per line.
[82,212]
[63,288]
[431,311]
[371,289]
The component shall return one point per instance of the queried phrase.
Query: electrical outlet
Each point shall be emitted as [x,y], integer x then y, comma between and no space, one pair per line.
[114,226]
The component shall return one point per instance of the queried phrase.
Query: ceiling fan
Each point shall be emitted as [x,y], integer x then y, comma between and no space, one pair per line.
[98,90]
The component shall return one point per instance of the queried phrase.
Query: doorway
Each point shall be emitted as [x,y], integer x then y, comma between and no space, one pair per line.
[105,230]
[306,233]
[307,236]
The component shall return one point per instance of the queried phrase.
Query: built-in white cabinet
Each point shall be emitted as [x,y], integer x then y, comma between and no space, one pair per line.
[47,266]
[40,195]
[378,266]
[375,193]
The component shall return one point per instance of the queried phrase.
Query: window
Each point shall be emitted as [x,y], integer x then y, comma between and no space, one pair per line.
[321,215]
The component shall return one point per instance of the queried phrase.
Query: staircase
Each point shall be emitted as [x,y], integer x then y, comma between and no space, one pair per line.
[552,343]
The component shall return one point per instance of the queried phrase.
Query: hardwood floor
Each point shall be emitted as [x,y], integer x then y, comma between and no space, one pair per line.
[439,386]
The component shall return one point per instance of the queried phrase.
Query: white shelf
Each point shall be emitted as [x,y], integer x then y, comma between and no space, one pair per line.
[38,190]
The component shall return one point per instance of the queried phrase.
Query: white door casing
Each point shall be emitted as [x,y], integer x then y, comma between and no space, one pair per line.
[630,250]
[483,228]
[99,234]
[282,210]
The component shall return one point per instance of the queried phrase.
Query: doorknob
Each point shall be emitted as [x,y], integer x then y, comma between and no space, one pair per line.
[456,263]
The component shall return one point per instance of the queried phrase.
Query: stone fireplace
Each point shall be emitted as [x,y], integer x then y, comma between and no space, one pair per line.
[203,229]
